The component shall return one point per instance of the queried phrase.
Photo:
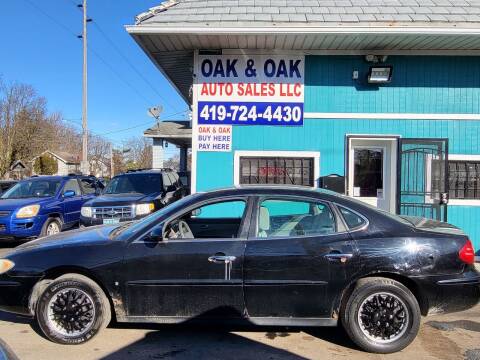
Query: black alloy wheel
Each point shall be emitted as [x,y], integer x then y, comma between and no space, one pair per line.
[381,315]
[72,309]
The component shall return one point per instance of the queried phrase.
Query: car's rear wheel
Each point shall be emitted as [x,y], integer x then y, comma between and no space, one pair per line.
[51,227]
[381,315]
[72,309]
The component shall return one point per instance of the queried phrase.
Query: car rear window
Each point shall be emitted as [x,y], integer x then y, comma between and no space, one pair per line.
[352,219]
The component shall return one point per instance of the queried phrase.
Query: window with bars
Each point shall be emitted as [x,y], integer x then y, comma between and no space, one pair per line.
[277,170]
[464,179]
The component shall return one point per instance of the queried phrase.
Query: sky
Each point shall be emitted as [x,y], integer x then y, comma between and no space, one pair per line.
[39,46]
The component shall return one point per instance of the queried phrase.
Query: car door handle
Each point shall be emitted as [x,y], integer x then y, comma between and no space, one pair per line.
[223,259]
[219,259]
[337,256]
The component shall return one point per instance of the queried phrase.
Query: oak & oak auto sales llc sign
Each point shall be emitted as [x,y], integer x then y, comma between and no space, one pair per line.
[247,90]
[250,90]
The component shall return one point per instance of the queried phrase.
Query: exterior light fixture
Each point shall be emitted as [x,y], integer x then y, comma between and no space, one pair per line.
[380,74]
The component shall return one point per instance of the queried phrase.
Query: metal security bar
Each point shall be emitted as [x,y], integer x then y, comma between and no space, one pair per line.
[464,179]
[277,170]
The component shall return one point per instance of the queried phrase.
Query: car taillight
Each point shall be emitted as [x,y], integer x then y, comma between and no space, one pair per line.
[467,253]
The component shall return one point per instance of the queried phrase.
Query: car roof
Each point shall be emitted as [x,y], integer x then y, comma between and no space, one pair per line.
[55,177]
[272,190]
[146,171]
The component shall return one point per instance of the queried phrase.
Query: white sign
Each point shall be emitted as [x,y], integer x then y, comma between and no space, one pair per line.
[214,138]
[250,90]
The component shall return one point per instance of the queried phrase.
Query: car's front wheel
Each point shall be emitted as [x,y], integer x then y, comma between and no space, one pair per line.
[51,227]
[72,309]
[381,315]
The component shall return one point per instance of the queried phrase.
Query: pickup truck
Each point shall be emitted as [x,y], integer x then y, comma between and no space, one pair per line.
[44,205]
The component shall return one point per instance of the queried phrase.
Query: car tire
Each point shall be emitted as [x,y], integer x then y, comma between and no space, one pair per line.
[381,315]
[72,309]
[51,223]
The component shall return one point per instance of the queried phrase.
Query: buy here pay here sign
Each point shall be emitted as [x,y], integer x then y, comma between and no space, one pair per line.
[250,90]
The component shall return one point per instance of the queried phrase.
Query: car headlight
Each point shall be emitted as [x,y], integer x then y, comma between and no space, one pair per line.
[86,211]
[5,265]
[142,209]
[28,211]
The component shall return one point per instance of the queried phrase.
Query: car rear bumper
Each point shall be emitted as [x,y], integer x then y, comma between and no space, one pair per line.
[452,294]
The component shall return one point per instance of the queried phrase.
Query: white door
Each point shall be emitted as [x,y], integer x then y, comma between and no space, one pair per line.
[372,171]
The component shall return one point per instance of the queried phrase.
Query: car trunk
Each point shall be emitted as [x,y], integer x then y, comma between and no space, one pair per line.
[433,225]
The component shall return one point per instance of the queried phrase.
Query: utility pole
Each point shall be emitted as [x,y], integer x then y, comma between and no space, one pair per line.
[85,167]
[112,172]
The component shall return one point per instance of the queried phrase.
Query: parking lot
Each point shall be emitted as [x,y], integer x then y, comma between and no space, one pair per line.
[453,336]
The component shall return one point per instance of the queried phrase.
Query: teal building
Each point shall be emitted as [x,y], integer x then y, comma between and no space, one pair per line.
[390,99]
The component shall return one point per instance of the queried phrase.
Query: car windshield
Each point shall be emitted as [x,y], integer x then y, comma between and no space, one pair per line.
[134,227]
[33,189]
[135,183]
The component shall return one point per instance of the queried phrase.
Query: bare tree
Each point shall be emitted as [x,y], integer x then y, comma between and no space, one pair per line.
[19,106]
[26,129]
[140,154]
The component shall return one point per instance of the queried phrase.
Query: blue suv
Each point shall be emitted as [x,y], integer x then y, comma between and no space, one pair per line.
[44,205]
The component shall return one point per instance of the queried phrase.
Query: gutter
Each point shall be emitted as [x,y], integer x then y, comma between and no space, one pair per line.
[269,30]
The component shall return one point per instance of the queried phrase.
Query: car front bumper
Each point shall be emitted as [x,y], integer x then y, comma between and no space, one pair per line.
[87,221]
[15,293]
[17,229]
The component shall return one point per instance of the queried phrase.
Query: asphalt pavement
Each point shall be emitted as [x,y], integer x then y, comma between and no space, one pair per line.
[452,336]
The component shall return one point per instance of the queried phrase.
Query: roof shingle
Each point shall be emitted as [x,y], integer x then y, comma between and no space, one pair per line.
[266,12]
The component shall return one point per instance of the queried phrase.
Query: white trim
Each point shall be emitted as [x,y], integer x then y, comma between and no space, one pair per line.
[390,116]
[464,157]
[357,52]
[193,167]
[427,29]
[312,154]
[461,202]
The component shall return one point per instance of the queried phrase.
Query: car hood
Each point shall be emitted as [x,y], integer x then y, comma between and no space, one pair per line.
[120,199]
[13,204]
[87,236]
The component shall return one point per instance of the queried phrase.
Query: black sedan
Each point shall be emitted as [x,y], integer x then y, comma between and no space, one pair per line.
[261,255]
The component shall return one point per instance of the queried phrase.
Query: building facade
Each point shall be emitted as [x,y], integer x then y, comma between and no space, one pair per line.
[377,101]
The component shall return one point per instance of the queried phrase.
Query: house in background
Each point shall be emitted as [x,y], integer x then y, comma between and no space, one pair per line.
[18,171]
[67,163]
[178,133]
[99,167]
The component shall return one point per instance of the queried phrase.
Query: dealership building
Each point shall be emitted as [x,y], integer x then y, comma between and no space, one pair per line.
[379,100]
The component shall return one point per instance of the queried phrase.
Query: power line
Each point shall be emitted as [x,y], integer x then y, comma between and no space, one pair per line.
[95,53]
[139,125]
[39,9]
[124,57]
[115,72]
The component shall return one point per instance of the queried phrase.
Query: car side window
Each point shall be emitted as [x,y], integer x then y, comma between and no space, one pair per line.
[72,185]
[352,219]
[88,186]
[219,220]
[284,218]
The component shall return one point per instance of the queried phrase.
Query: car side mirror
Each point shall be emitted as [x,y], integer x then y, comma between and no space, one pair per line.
[156,234]
[196,212]
[68,194]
